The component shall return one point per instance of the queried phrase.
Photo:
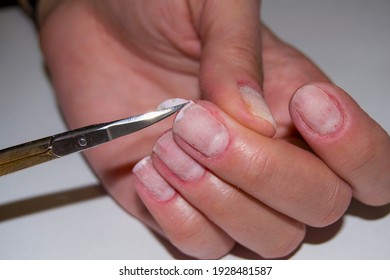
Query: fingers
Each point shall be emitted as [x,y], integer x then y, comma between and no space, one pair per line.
[231,71]
[282,176]
[182,224]
[346,138]
[247,221]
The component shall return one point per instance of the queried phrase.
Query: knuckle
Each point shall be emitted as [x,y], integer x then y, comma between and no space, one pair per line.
[219,206]
[240,51]
[186,233]
[241,54]
[336,203]
[192,237]
[287,242]
[357,162]
[258,167]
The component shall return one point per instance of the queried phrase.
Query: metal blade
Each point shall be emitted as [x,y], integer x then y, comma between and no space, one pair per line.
[87,137]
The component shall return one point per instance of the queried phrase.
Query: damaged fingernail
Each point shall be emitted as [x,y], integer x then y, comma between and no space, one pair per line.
[181,164]
[152,181]
[171,102]
[201,130]
[256,104]
[317,110]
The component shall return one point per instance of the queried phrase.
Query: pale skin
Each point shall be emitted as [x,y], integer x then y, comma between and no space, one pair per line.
[265,182]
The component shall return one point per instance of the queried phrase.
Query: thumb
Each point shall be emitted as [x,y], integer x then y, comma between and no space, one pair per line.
[231,65]
[346,138]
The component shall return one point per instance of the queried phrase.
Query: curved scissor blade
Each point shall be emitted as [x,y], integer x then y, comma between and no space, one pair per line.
[90,136]
[126,126]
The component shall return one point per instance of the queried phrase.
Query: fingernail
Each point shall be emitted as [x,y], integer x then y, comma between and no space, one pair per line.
[181,164]
[152,181]
[317,110]
[256,104]
[200,129]
[170,103]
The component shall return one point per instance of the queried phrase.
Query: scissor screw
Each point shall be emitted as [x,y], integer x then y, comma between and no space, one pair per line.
[82,142]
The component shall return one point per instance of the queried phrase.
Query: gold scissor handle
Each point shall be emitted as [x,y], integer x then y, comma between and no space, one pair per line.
[25,155]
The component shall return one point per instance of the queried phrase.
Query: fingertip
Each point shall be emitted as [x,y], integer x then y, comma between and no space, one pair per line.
[316,112]
[352,144]
[185,227]
[151,181]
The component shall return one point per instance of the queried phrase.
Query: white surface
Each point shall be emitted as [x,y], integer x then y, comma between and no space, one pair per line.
[349,39]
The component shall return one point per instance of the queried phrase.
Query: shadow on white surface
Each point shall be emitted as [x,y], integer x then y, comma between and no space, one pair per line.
[36,204]
[366,212]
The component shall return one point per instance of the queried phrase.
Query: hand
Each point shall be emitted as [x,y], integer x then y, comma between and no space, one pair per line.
[107,62]
[103,69]
[260,191]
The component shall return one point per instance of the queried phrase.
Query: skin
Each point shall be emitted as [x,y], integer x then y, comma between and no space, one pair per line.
[118,58]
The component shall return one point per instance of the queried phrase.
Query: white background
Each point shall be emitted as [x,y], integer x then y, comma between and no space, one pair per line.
[58,211]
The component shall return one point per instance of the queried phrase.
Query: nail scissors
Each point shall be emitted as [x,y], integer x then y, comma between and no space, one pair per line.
[52,147]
